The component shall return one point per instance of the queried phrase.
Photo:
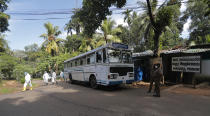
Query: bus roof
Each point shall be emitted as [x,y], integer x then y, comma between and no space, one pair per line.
[110,45]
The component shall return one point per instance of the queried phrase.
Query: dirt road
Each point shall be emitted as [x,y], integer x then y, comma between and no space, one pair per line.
[78,100]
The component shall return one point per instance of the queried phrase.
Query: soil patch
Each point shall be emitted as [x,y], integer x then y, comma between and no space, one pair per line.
[204,91]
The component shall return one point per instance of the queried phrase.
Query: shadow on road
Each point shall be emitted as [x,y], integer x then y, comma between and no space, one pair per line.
[66,99]
[67,85]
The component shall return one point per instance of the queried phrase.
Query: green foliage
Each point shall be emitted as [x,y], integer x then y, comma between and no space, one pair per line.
[93,12]
[208,8]
[127,16]
[22,80]
[74,24]
[164,17]
[109,32]
[7,90]
[52,43]
[200,24]
[3,17]
[3,44]
[72,43]
[19,69]
[208,38]
[53,63]
[31,48]
[7,64]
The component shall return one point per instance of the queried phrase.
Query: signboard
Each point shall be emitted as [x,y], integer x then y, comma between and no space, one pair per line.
[186,64]
[119,45]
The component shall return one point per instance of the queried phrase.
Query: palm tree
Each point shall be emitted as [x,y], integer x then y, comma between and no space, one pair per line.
[69,27]
[51,43]
[109,32]
[74,23]
[160,21]
[127,17]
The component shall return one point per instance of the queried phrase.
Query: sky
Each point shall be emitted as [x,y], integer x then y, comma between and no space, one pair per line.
[26,32]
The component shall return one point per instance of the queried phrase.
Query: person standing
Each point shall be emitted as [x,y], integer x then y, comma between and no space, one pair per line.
[156,77]
[46,77]
[27,81]
[62,75]
[151,80]
[54,77]
[140,74]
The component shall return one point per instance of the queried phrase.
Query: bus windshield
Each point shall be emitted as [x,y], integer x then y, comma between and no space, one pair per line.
[119,56]
[114,55]
[126,57]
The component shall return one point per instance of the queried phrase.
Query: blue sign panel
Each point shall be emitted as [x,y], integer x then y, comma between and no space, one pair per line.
[119,45]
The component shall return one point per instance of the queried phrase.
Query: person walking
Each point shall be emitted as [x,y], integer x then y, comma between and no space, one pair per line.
[62,75]
[46,77]
[27,81]
[54,78]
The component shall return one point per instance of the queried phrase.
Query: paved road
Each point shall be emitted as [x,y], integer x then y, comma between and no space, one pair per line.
[78,100]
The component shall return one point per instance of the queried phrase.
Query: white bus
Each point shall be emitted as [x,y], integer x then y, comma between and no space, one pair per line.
[107,65]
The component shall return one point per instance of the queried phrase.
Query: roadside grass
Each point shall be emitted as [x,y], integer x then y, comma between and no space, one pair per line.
[34,85]
[7,90]
[12,86]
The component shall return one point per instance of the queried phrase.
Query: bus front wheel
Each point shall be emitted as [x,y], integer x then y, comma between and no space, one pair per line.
[93,82]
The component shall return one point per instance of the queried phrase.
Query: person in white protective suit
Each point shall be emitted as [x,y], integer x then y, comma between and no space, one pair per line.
[54,78]
[62,76]
[46,77]
[27,81]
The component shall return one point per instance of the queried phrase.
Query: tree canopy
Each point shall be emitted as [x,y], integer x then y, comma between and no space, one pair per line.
[4,17]
[200,24]
[93,12]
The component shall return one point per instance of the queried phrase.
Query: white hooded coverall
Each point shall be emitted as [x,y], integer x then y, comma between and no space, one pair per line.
[27,80]
[53,77]
[46,77]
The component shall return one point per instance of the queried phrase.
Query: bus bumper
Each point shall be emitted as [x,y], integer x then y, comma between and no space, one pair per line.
[120,82]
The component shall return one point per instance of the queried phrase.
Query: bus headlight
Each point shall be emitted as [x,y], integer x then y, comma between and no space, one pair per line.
[131,74]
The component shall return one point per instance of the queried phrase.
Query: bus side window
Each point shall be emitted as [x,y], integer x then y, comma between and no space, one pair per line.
[68,64]
[104,56]
[75,63]
[71,64]
[99,57]
[92,59]
[81,62]
[84,61]
[88,60]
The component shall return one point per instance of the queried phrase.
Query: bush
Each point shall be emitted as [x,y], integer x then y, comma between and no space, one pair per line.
[7,64]
[22,80]
[19,70]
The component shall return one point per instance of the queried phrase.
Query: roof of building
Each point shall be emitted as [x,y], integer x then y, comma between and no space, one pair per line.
[177,51]
[145,53]
[200,46]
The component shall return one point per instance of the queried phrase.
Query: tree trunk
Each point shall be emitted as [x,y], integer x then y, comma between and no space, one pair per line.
[105,37]
[156,42]
[78,30]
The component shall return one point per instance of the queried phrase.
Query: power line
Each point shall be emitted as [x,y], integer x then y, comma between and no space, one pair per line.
[34,19]
[71,11]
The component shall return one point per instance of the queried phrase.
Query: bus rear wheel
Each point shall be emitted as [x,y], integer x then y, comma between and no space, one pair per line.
[93,82]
